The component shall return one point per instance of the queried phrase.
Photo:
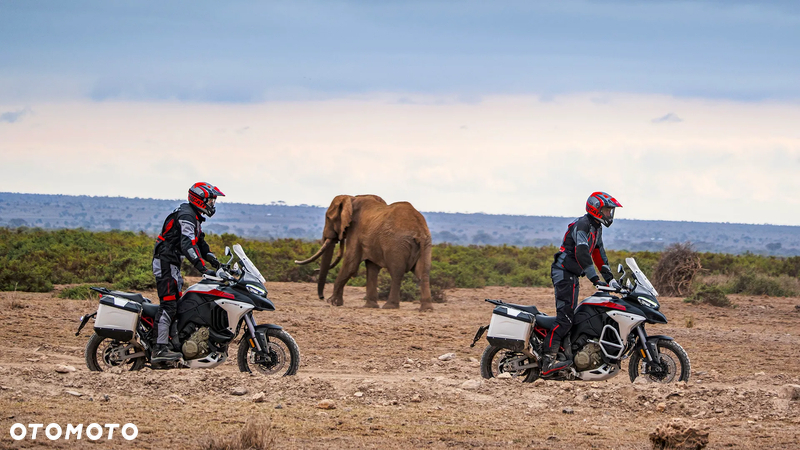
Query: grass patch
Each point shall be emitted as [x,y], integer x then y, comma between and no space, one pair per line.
[256,434]
[709,294]
[754,284]
[81,292]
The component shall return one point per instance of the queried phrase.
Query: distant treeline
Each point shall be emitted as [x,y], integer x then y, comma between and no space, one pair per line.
[35,260]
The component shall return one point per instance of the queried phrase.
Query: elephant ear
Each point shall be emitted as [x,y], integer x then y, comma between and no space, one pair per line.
[347,215]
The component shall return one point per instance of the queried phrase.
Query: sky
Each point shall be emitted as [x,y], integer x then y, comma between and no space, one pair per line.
[681,110]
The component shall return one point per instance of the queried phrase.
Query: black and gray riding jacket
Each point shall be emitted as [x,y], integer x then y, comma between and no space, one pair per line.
[181,236]
[582,246]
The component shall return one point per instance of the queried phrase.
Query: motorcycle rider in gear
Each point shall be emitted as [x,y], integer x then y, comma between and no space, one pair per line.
[181,235]
[582,246]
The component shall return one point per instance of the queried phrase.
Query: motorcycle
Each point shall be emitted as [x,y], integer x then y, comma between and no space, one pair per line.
[606,330]
[209,317]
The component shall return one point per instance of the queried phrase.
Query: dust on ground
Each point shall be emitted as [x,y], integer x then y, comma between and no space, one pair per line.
[381,373]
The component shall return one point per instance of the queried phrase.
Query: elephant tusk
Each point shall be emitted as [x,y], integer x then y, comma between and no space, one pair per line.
[339,256]
[322,249]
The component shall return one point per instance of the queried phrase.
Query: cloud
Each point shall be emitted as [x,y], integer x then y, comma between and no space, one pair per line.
[669,118]
[14,116]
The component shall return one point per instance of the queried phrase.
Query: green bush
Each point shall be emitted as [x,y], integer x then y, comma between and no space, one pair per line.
[34,260]
[709,294]
[754,284]
[80,292]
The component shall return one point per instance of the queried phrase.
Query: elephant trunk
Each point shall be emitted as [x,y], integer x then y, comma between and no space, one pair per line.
[328,243]
[324,266]
[339,256]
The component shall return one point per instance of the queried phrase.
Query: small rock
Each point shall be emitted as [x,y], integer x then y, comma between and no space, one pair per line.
[471,384]
[760,374]
[278,406]
[241,390]
[259,398]
[406,366]
[105,398]
[76,394]
[790,391]
[358,394]
[503,375]
[568,411]
[61,368]
[473,360]
[539,382]
[416,398]
[176,398]
[447,357]
[326,404]
[661,407]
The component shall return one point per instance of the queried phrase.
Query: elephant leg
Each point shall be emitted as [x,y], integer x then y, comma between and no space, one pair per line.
[349,268]
[372,284]
[423,273]
[394,293]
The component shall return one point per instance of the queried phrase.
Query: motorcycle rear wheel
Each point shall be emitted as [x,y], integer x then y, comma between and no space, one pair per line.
[672,355]
[100,357]
[285,356]
[492,365]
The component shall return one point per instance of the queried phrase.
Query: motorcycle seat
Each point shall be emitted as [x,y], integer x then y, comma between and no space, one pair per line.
[149,310]
[529,309]
[546,322]
[138,298]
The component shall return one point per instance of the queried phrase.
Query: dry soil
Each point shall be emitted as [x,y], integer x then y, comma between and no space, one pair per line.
[380,371]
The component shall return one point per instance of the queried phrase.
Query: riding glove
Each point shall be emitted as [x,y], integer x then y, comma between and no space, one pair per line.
[212,259]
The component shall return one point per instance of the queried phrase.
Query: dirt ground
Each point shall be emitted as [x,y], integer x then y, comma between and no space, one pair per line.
[381,371]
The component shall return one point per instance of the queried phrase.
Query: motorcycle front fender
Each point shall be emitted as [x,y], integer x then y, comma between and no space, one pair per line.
[659,336]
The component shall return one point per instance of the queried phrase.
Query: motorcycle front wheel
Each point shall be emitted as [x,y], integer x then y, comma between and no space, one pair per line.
[495,360]
[282,358]
[673,364]
[106,355]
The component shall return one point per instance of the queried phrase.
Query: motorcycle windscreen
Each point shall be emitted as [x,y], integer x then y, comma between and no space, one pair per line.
[248,265]
[641,280]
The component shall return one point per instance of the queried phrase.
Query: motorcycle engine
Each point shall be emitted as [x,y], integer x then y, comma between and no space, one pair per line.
[589,357]
[197,344]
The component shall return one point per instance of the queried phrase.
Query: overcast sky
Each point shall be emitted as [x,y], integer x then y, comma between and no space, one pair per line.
[681,110]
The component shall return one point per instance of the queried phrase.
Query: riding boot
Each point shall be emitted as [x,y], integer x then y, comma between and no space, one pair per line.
[162,353]
[551,364]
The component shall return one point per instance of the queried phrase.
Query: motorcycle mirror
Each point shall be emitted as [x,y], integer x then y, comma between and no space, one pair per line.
[620,269]
[228,252]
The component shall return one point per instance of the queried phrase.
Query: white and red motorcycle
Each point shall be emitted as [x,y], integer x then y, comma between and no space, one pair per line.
[607,329]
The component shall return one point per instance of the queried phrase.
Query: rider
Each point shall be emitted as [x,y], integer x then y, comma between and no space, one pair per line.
[180,236]
[583,244]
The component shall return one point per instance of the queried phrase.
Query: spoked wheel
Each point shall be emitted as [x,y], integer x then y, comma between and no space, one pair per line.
[282,356]
[673,364]
[108,355]
[496,361]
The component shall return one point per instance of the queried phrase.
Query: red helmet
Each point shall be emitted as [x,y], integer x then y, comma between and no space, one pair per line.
[601,206]
[203,196]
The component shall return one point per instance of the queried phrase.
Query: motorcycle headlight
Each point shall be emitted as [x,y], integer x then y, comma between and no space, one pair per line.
[256,290]
[649,303]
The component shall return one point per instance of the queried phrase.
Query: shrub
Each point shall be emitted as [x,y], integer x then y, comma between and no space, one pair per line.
[754,284]
[676,269]
[256,434]
[80,292]
[709,294]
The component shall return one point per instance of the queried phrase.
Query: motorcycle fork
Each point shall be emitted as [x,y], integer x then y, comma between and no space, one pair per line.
[648,349]
[251,329]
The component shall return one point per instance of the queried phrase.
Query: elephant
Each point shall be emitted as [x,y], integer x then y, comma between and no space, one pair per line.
[394,237]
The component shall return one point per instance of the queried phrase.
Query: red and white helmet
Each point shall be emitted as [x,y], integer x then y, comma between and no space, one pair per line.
[204,196]
[601,206]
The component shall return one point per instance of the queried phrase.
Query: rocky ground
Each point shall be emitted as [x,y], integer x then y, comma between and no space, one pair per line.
[373,379]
